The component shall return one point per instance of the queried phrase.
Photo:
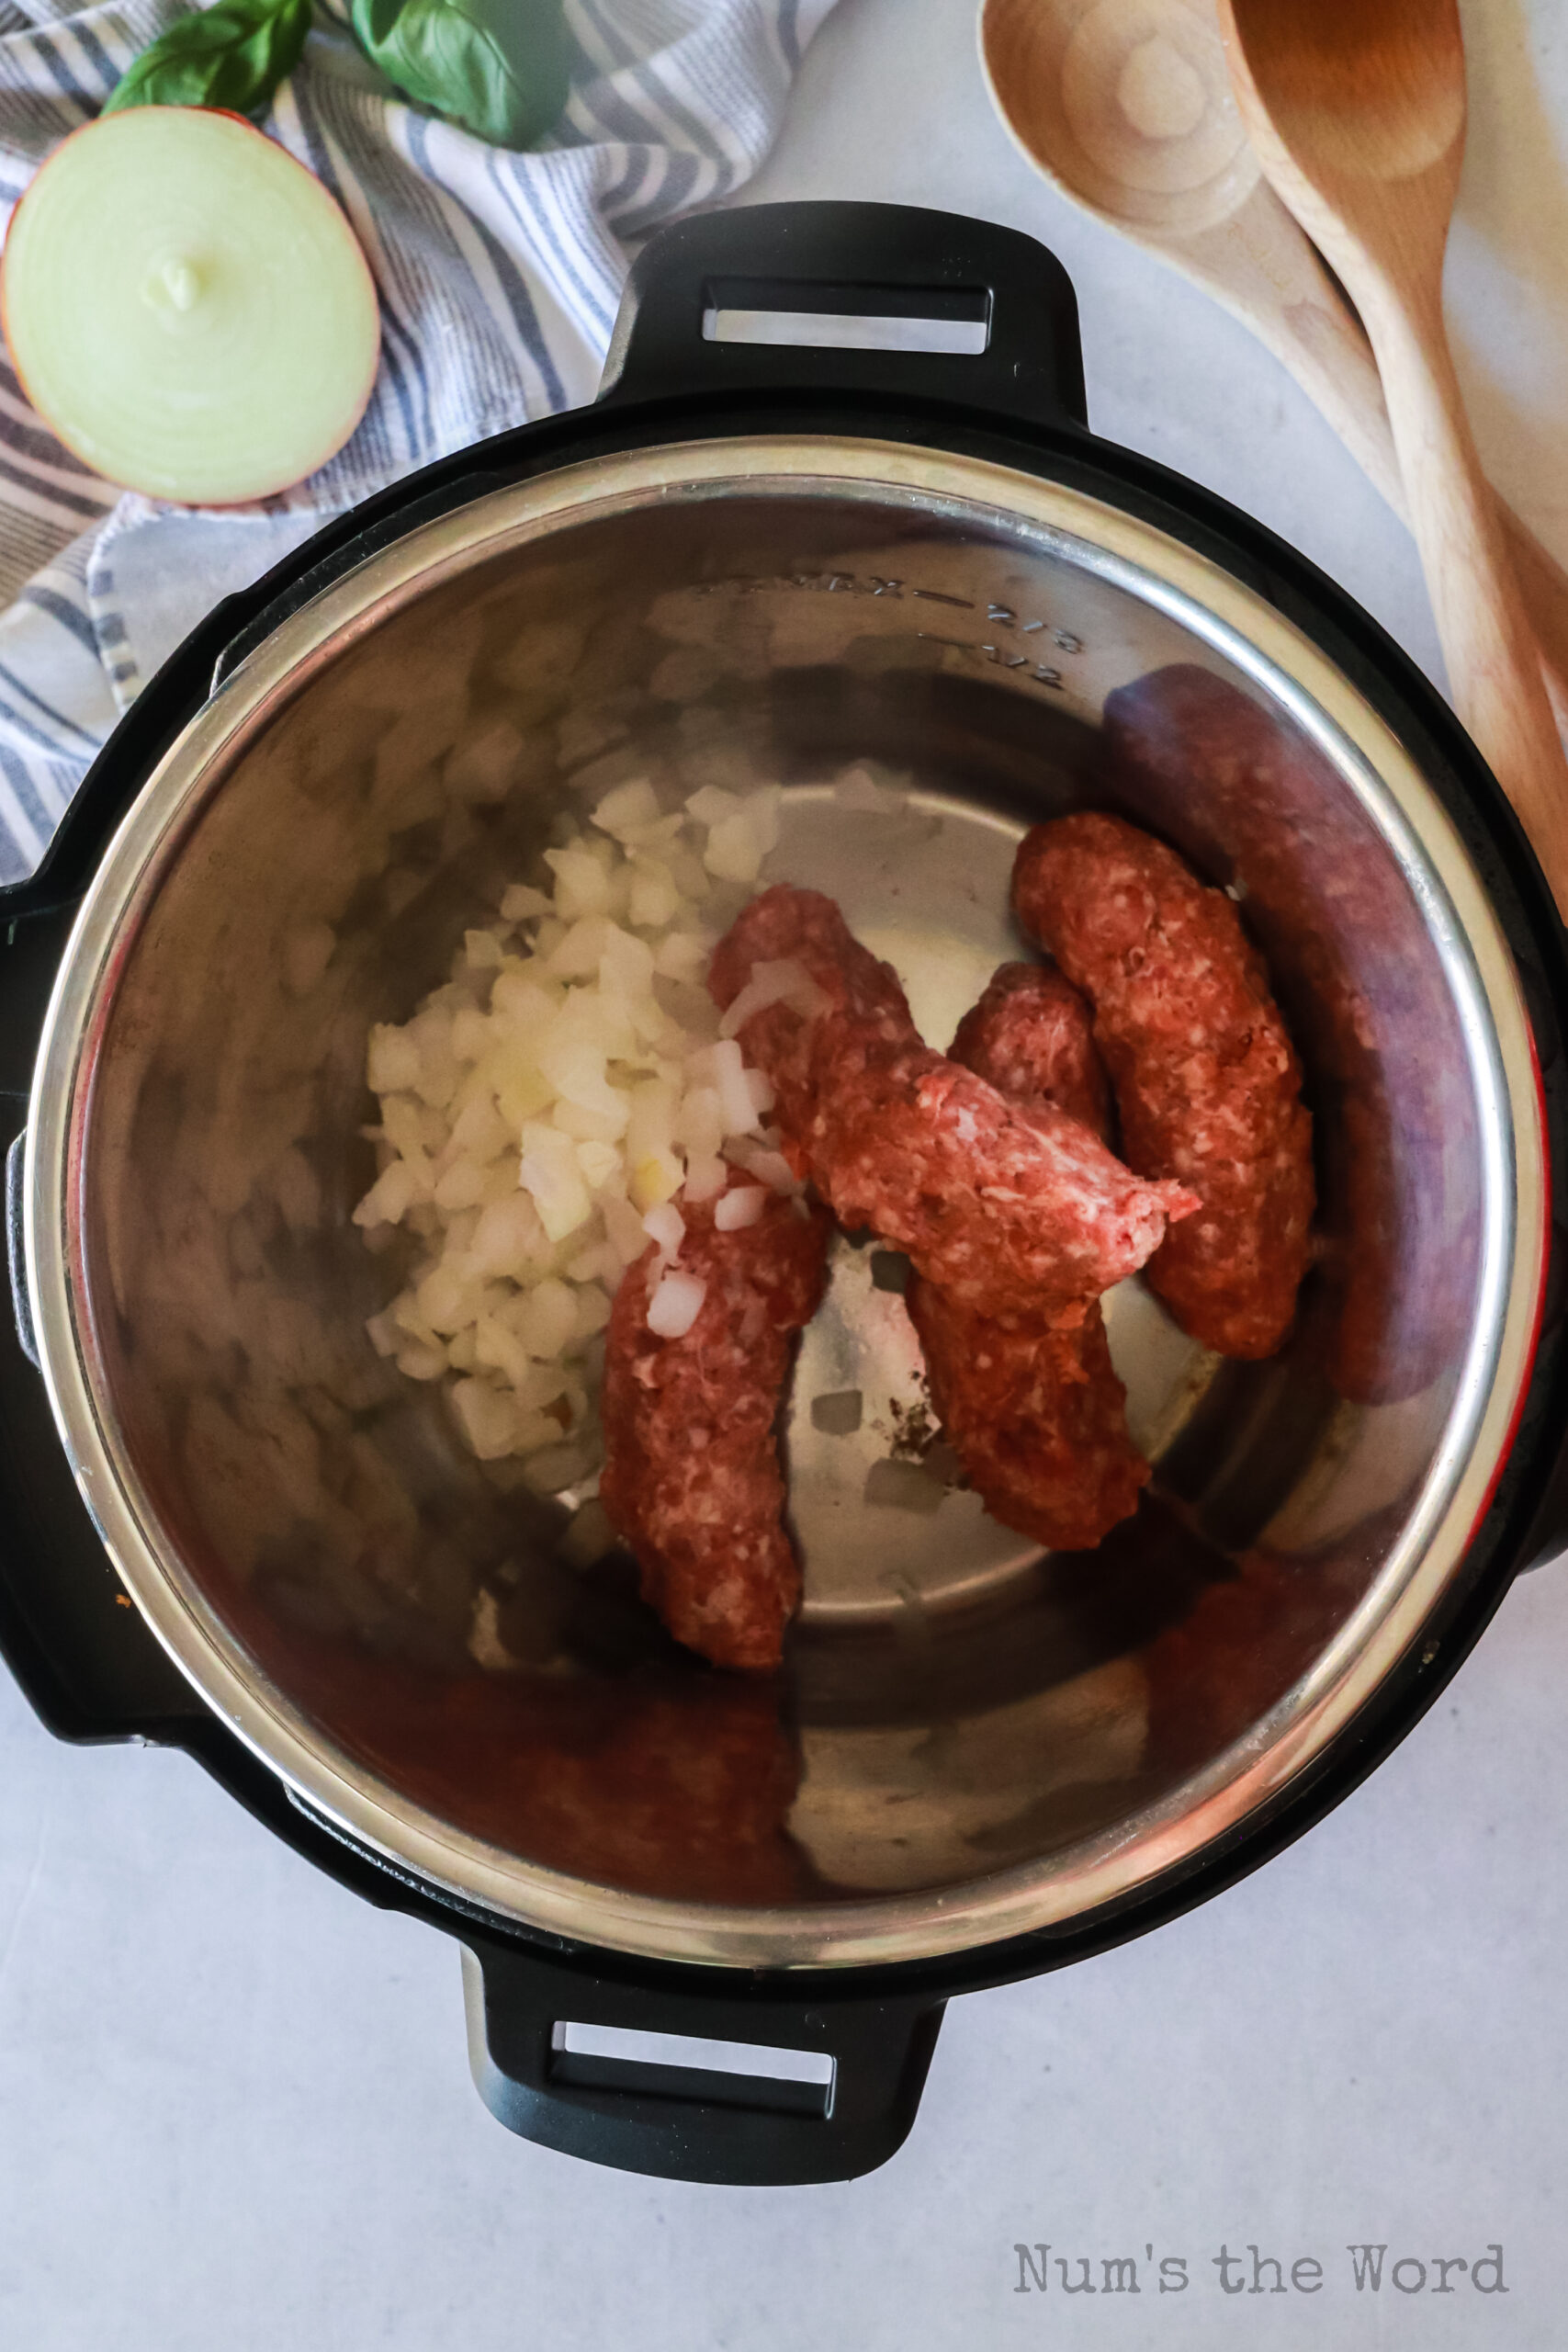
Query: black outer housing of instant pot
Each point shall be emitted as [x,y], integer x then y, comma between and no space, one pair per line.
[92,1668]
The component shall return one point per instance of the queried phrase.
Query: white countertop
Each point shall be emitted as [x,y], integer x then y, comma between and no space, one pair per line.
[235,2110]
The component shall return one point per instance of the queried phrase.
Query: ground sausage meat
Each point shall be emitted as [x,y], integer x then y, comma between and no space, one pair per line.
[1031,1036]
[1036,1415]
[863,997]
[991,1202]
[692,1479]
[1206,1080]
[1245,795]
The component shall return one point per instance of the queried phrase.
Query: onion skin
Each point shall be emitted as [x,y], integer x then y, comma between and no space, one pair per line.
[268,487]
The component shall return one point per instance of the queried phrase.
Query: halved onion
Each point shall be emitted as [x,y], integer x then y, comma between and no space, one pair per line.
[187,308]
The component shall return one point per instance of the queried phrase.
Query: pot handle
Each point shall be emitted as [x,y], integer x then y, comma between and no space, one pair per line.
[839,2105]
[1001,319]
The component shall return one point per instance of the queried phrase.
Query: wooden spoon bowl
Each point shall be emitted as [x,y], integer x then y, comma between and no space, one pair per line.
[1376,93]
[1130,102]
[1357,110]
[1126,108]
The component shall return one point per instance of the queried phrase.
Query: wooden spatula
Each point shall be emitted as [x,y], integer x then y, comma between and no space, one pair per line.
[1356,109]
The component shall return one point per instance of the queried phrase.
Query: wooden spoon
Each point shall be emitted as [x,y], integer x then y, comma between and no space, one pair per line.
[1125,106]
[1356,109]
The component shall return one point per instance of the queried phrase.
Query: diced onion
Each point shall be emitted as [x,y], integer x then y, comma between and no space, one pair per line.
[626,967]
[582,887]
[624,1229]
[383,1334]
[599,1162]
[713,806]
[575,956]
[707,1176]
[546,1318]
[489,1420]
[592,1304]
[509,1238]
[654,900]
[462,1186]
[667,1226]
[446,1299]
[676,1306]
[700,1123]
[741,1206]
[500,1348]
[599,1263]
[550,1173]
[551,1111]
[518,1002]
[780,982]
[483,950]
[683,955]
[392,1064]
[584,1124]
[388,1198]
[627,807]
[770,1167]
[657,1177]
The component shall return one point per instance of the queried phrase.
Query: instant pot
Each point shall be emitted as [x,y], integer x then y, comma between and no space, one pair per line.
[772,548]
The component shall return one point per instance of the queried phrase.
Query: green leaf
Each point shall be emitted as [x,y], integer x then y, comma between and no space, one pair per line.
[233,54]
[499,67]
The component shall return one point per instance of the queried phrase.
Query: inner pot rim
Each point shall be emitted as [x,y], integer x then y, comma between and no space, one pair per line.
[1272,652]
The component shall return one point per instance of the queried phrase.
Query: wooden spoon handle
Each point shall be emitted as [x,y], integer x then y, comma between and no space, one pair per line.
[1544,583]
[1480,612]
[1314,332]
[1317,336]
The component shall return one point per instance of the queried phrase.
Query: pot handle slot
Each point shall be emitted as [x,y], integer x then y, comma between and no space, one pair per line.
[743,2087]
[886,300]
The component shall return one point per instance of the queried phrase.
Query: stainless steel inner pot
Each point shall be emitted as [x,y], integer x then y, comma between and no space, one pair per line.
[969,1740]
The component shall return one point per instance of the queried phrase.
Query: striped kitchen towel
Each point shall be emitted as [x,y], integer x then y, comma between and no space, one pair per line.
[498,276]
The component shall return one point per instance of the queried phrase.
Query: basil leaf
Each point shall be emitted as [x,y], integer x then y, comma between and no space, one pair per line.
[499,67]
[233,54]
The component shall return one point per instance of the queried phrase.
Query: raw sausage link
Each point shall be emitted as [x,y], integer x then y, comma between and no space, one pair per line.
[789,926]
[1246,796]
[692,1479]
[992,1204]
[1036,1415]
[1206,1079]
[1031,1036]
